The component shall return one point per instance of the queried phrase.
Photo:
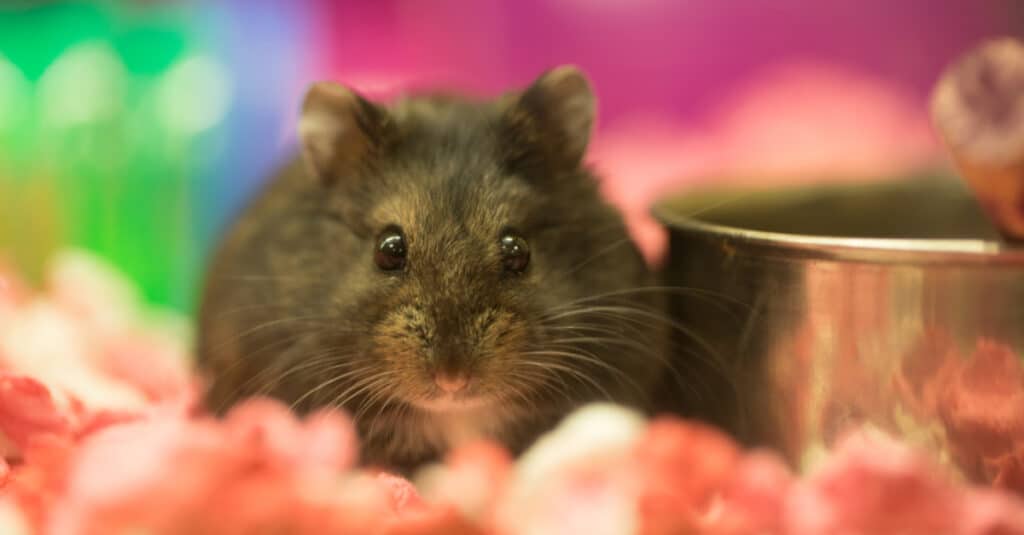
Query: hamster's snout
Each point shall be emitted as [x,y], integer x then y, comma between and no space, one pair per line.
[451,383]
[449,356]
[453,393]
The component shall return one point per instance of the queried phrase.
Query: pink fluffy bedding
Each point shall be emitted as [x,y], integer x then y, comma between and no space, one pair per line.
[102,434]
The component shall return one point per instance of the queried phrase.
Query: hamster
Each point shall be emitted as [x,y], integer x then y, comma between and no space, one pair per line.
[442,267]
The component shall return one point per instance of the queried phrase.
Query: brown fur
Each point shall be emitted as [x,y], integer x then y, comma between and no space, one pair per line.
[293,300]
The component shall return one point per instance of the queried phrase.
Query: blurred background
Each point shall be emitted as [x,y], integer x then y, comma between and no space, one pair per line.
[136,129]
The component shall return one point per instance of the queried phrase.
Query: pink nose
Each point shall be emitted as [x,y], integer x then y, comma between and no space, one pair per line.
[451,383]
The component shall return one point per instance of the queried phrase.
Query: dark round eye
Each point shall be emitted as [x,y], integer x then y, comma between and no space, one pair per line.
[515,253]
[390,253]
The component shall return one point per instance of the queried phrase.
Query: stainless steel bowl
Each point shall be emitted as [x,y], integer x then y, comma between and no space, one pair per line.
[827,308]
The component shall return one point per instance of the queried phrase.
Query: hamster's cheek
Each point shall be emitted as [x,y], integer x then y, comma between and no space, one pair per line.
[499,338]
[399,342]
[499,331]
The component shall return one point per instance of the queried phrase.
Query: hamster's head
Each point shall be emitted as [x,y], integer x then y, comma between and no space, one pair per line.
[467,248]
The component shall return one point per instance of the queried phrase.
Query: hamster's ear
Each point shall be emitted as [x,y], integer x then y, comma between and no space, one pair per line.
[552,118]
[338,129]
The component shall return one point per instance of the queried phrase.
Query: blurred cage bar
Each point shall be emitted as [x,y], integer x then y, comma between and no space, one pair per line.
[135,129]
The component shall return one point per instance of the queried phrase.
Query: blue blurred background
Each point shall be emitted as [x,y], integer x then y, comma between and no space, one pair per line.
[135,129]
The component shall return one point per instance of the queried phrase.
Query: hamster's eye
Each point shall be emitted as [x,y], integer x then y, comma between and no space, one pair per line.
[515,253]
[390,253]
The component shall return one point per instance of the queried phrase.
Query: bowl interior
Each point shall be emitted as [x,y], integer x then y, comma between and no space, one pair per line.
[925,207]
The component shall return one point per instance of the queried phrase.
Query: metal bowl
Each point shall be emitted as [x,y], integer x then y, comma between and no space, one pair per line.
[831,308]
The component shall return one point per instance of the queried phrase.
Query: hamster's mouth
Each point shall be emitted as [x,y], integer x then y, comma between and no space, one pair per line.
[452,403]
[452,392]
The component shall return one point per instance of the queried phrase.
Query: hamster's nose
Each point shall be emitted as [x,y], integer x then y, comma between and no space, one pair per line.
[451,383]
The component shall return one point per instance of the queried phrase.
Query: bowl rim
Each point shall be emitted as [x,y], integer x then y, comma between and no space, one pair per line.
[874,250]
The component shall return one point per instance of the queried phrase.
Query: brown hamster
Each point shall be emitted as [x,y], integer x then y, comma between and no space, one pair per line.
[443,268]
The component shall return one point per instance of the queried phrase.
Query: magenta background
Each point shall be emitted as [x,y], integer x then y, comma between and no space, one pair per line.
[687,89]
[672,57]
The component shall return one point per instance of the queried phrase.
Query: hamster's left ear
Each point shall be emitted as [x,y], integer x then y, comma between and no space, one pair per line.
[552,119]
[339,130]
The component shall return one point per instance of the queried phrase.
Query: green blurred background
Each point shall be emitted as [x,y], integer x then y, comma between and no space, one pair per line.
[119,123]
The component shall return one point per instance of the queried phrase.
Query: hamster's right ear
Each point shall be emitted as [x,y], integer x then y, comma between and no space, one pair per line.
[338,129]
